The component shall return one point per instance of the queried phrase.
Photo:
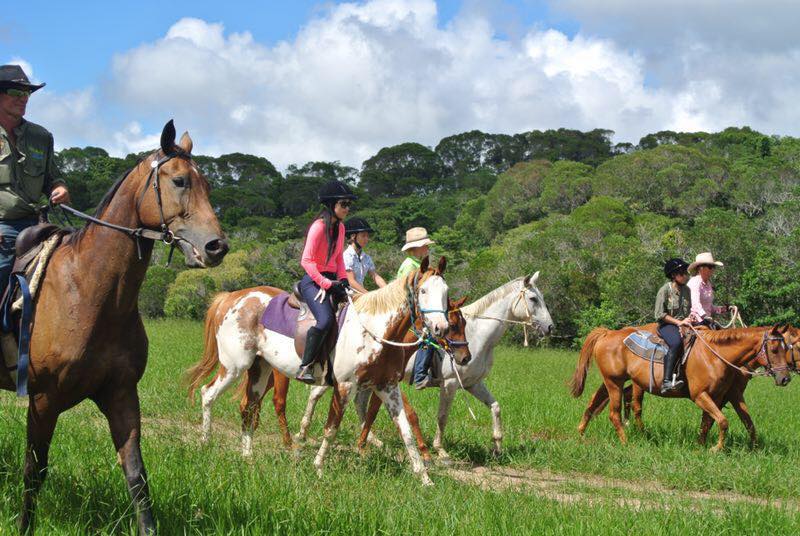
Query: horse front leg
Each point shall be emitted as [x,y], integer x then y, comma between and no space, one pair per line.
[482,393]
[363,401]
[341,395]
[42,419]
[707,404]
[316,393]
[259,380]
[121,408]
[392,399]
[446,395]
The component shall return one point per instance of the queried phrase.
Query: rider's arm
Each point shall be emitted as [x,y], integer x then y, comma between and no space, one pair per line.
[378,279]
[351,276]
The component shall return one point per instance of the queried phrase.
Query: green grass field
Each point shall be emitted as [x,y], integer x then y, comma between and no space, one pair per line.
[546,482]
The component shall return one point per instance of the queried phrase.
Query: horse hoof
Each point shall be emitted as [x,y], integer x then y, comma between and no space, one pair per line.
[445,461]
[299,438]
[496,452]
[426,480]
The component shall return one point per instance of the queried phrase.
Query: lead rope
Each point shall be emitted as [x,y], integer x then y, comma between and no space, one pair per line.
[735,317]
[379,339]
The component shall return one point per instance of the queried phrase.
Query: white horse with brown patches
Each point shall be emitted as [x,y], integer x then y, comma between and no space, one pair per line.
[365,357]
[517,302]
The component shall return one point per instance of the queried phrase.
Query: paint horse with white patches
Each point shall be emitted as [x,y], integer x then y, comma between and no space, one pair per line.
[363,359]
[517,302]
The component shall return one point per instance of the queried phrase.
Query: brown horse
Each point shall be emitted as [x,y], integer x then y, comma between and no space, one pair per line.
[88,339]
[250,408]
[634,395]
[711,370]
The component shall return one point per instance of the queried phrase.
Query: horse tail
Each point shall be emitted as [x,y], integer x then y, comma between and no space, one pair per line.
[196,374]
[587,351]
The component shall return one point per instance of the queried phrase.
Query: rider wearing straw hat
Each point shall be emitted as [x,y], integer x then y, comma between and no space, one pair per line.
[702,292]
[27,165]
[416,246]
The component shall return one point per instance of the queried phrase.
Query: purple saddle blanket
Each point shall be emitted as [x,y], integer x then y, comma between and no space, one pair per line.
[281,318]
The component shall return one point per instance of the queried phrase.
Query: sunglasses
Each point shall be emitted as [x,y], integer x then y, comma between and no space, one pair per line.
[345,204]
[18,92]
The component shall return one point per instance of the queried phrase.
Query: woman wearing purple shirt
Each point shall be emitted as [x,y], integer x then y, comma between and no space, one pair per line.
[702,292]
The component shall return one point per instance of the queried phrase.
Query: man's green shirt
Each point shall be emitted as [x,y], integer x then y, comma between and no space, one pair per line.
[27,171]
[408,266]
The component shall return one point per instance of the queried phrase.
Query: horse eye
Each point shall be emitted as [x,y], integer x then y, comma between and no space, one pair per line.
[423,291]
[179,182]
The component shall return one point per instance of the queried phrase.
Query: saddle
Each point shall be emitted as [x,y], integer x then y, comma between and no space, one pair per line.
[289,315]
[34,246]
[650,347]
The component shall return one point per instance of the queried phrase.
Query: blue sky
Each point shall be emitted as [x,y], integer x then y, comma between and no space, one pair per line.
[72,43]
[309,80]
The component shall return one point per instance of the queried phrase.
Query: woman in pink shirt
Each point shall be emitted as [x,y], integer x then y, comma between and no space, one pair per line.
[325,282]
[702,292]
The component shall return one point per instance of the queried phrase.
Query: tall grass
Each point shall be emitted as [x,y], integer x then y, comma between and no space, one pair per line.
[212,490]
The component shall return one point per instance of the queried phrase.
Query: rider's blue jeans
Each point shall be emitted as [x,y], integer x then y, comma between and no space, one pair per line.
[422,362]
[9,230]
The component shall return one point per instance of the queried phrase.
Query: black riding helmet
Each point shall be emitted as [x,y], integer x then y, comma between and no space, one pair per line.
[334,191]
[356,225]
[674,266]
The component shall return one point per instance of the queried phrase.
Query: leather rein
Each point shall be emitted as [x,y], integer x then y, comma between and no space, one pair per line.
[165,235]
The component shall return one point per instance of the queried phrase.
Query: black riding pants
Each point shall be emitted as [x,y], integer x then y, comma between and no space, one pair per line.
[672,336]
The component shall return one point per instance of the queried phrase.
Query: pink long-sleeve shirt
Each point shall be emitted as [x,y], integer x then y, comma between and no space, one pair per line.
[703,298]
[315,254]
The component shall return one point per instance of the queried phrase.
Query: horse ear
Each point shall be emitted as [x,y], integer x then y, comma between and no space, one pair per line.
[424,266]
[459,302]
[168,138]
[531,279]
[186,143]
[442,264]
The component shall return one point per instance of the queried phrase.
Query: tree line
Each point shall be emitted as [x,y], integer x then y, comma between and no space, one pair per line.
[596,218]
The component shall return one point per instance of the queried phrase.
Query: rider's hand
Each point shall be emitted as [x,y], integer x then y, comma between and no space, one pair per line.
[686,323]
[337,289]
[59,195]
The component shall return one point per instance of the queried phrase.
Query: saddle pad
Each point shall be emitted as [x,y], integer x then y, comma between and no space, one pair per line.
[281,318]
[640,343]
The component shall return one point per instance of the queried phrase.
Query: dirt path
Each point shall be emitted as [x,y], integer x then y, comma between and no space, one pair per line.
[560,487]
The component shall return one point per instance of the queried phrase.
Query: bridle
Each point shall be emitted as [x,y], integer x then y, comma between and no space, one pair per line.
[527,323]
[770,370]
[418,313]
[165,235]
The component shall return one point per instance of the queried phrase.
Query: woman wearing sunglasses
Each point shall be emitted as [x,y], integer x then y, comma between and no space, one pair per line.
[699,285]
[325,282]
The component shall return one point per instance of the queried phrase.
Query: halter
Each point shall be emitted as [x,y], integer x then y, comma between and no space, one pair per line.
[527,323]
[165,235]
[423,334]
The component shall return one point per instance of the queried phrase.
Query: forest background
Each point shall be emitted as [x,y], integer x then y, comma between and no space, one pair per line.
[597,219]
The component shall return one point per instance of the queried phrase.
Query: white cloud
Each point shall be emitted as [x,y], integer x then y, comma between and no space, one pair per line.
[359,77]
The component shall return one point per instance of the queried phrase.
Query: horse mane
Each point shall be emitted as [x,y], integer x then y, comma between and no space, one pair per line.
[385,299]
[723,336]
[481,304]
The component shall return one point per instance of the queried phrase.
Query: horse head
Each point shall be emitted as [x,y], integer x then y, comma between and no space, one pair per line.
[776,356]
[529,306]
[792,337]
[431,296]
[456,333]
[174,199]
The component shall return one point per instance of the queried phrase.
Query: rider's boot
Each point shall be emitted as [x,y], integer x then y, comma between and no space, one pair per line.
[314,340]
[671,382]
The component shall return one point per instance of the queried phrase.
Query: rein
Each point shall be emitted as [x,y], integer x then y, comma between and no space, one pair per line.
[165,235]
[528,323]
[764,350]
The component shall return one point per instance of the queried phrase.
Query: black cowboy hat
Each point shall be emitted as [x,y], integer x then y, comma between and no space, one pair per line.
[675,265]
[357,225]
[13,77]
[335,190]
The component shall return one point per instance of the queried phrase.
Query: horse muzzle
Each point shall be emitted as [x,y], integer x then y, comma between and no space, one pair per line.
[210,253]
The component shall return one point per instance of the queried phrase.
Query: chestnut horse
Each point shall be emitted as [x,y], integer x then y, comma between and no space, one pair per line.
[250,409]
[88,339]
[634,395]
[711,370]
[366,354]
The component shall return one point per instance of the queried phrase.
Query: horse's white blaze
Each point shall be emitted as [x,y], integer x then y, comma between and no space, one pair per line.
[433,297]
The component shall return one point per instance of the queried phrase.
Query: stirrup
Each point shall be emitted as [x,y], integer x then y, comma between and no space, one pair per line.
[306,375]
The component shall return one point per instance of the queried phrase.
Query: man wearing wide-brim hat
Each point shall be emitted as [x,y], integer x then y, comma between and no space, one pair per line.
[701,290]
[416,247]
[27,167]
